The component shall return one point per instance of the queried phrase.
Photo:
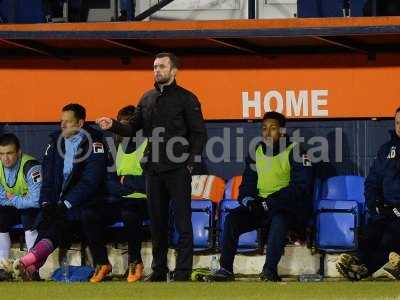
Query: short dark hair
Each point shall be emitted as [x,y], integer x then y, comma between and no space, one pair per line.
[275,116]
[10,139]
[127,111]
[79,110]
[172,58]
[397,110]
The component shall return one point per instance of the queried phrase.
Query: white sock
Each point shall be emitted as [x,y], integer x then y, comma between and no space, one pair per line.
[5,245]
[30,238]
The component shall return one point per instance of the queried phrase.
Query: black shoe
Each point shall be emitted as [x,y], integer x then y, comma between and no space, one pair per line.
[268,275]
[156,277]
[179,276]
[221,275]
[36,276]
[5,275]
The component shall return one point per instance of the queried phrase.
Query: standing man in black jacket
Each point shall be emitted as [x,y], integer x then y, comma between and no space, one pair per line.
[171,119]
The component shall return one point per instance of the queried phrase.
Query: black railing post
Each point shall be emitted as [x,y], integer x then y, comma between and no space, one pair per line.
[252,9]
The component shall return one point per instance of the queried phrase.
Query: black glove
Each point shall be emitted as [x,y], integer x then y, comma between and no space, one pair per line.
[256,206]
[264,203]
[389,211]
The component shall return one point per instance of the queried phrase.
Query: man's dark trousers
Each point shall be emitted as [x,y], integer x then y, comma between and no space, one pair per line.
[378,239]
[88,221]
[175,186]
[241,220]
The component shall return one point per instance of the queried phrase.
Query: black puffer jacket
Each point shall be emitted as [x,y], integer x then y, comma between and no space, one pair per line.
[175,113]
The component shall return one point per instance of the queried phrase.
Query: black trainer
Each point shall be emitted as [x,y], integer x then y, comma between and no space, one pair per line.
[221,275]
[5,275]
[268,275]
[156,277]
[179,276]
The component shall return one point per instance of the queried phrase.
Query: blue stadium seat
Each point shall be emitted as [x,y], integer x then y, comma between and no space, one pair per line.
[349,187]
[203,213]
[249,241]
[120,224]
[337,223]
[339,213]
[17,227]
[22,11]
[327,8]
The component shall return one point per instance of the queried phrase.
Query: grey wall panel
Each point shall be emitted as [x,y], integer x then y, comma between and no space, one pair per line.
[33,138]
[360,140]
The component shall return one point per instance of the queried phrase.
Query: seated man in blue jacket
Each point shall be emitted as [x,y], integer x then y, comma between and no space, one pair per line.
[74,170]
[127,188]
[20,183]
[275,193]
[380,239]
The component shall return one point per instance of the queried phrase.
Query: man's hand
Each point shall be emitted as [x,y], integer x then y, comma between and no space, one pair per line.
[190,168]
[104,123]
[255,206]
[9,196]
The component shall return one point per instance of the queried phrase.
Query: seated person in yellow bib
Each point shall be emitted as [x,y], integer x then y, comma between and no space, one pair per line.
[275,193]
[20,183]
[127,201]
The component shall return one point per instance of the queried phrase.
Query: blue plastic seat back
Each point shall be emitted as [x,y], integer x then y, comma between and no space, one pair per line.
[343,188]
[120,224]
[336,224]
[327,8]
[22,11]
[17,227]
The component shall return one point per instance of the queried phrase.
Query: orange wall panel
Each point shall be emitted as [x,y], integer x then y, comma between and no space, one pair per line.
[236,87]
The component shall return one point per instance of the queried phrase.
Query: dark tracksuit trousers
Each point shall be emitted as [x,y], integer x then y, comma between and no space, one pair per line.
[88,221]
[9,216]
[132,212]
[174,185]
[241,220]
[378,239]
